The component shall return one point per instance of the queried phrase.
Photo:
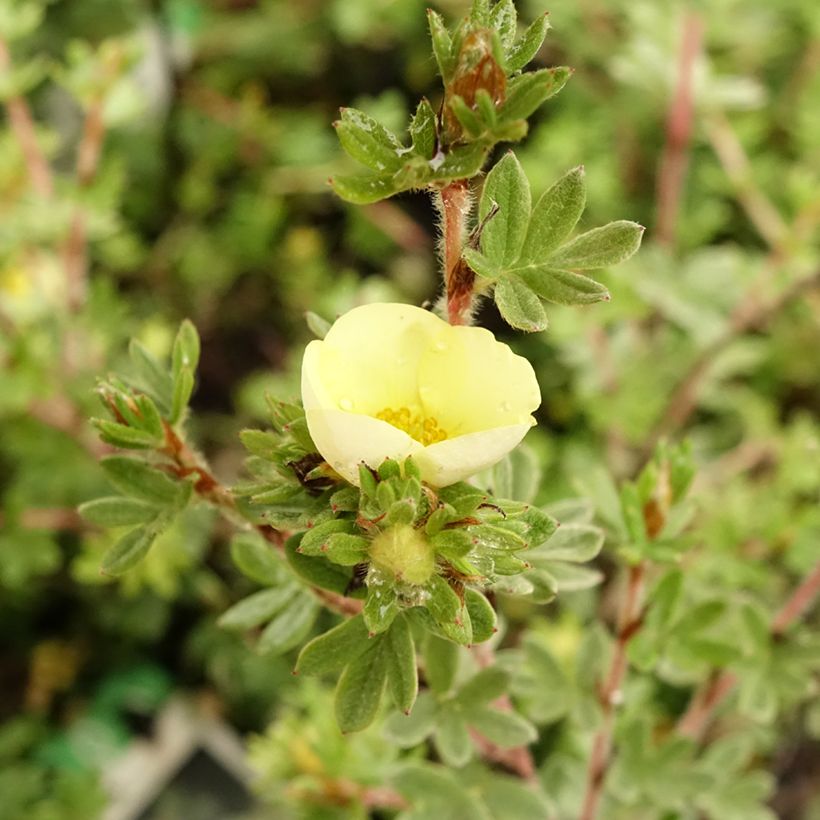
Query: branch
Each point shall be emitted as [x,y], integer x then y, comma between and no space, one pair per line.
[675,156]
[709,697]
[454,202]
[22,126]
[187,463]
[629,623]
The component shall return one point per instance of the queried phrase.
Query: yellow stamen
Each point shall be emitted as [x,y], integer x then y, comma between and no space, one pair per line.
[423,429]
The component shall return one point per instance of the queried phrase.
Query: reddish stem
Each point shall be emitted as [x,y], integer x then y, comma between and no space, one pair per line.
[459,279]
[675,157]
[629,622]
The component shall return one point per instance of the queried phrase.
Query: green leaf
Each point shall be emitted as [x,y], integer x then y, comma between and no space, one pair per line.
[290,626]
[479,263]
[469,120]
[369,142]
[255,558]
[600,247]
[128,551]
[400,657]
[410,730]
[507,188]
[346,550]
[335,649]
[554,216]
[423,130]
[512,799]
[440,663]
[363,189]
[256,608]
[571,577]
[452,740]
[117,511]
[540,525]
[527,92]
[120,435]
[150,374]
[360,688]
[261,443]
[316,571]
[529,44]
[519,305]
[186,347]
[183,388]
[381,606]
[136,478]
[505,729]
[503,18]
[317,325]
[483,687]
[459,162]
[315,540]
[561,286]
[454,543]
[573,542]
[482,615]
[442,44]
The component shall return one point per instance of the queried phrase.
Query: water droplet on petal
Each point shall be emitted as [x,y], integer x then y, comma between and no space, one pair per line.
[441,345]
[346,404]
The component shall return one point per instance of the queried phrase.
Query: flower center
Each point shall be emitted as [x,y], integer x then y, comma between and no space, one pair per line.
[423,429]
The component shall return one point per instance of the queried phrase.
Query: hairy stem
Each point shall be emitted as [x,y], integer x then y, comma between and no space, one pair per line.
[717,688]
[454,202]
[629,622]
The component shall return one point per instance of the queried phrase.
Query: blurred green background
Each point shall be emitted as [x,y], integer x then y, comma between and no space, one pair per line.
[211,201]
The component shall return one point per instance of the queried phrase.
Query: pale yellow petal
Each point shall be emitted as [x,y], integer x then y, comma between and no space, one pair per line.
[468,382]
[345,440]
[459,458]
[369,359]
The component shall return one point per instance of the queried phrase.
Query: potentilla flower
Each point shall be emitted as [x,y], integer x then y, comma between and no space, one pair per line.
[391,381]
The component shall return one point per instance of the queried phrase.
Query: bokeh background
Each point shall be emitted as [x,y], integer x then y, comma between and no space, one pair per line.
[210,201]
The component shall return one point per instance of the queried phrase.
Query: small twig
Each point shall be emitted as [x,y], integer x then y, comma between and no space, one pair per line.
[714,691]
[22,125]
[454,201]
[208,487]
[518,759]
[629,623]
[675,156]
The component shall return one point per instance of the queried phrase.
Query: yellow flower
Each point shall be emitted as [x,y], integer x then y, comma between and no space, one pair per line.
[390,381]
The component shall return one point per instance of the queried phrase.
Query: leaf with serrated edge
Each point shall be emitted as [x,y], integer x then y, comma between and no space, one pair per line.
[506,188]
[600,247]
[519,305]
[555,214]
